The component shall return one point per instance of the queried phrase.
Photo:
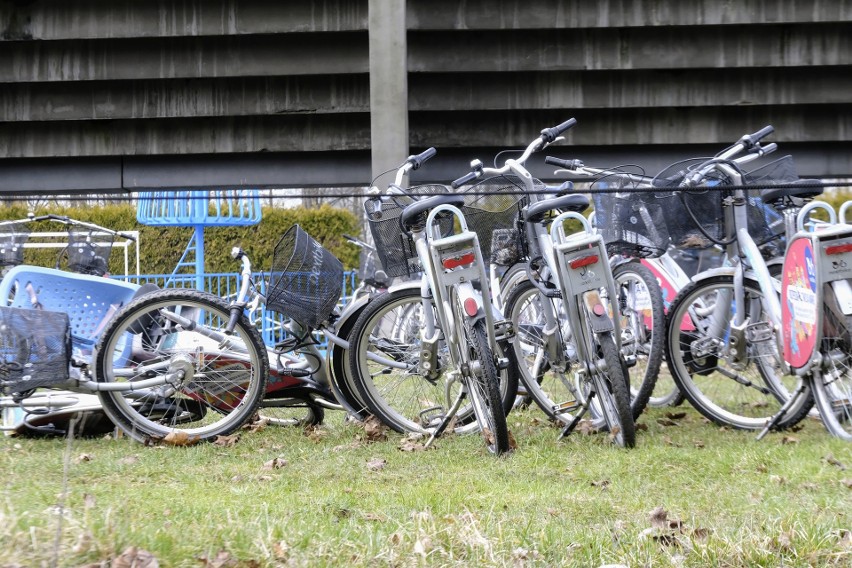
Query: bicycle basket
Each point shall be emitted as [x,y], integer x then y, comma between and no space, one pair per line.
[393,244]
[12,239]
[35,349]
[696,216]
[492,209]
[632,223]
[306,279]
[89,251]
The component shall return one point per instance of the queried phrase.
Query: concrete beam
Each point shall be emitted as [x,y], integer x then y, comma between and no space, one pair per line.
[194,57]
[293,133]
[574,14]
[388,84]
[629,48]
[162,98]
[628,89]
[89,19]
[828,124]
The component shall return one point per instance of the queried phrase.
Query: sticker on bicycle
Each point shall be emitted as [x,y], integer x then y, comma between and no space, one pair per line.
[799,302]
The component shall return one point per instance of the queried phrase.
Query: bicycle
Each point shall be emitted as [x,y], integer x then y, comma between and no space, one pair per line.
[211,360]
[723,333]
[563,314]
[444,334]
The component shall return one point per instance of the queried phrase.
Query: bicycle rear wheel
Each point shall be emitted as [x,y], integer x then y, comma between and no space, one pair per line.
[642,323]
[833,387]
[740,386]
[212,382]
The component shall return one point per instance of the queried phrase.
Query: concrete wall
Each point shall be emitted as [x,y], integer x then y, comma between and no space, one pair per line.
[108,94]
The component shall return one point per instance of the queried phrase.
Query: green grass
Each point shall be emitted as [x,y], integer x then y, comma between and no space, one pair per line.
[730,500]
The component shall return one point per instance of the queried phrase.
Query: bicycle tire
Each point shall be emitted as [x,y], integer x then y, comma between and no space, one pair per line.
[744,396]
[400,398]
[643,322]
[832,386]
[291,412]
[223,390]
[484,390]
[611,390]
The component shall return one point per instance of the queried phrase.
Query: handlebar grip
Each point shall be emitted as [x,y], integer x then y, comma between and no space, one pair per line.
[567,164]
[761,134]
[470,176]
[550,134]
[417,161]
[767,148]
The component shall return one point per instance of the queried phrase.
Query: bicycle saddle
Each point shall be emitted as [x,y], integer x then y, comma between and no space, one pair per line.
[803,189]
[410,214]
[571,202]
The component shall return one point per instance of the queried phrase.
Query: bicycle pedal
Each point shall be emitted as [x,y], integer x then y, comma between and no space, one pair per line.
[759,332]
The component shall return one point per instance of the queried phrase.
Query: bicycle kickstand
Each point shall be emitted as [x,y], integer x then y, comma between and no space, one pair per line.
[582,411]
[445,421]
[782,411]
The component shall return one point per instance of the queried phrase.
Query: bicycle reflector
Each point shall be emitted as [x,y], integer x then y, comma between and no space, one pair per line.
[582,261]
[465,259]
[471,308]
[837,249]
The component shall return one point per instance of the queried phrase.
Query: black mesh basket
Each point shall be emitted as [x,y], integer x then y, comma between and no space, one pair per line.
[306,279]
[630,221]
[492,209]
[394,245]
[35,349]
[89,251]
[696,216]
[13,236]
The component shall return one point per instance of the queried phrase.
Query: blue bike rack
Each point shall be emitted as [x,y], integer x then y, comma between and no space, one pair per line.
[198,209]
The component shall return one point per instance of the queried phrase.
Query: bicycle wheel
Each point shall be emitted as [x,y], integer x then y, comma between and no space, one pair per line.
[740,386]
[404,399]
[833,387]
[611,390]
[213,383]
[484,389]
[642,323]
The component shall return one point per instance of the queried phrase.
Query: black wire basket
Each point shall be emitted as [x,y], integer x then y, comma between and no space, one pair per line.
[492,210]
[13,236]
[35,349]
[394,245]
[89,251]
[306,279]
[696,216]
[630,220]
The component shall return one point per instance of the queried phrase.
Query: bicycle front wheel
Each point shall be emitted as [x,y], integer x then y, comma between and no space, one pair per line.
[611,391]
[733,377]
[212,383]
[642,324]
[401,395]
[833,387]
[484,389]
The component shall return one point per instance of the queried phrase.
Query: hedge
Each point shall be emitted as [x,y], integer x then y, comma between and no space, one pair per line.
[162,247]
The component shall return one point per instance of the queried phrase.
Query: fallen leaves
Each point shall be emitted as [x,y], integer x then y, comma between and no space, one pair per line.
[275,463]
[179,438]
[134,557]
[830,459]
[666,531]
[227,441]
[377,464]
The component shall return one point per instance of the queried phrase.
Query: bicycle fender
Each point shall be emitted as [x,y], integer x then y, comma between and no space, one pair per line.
[729,271]
[470,298]
[596,312]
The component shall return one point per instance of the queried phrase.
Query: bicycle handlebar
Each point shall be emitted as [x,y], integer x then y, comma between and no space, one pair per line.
[549,135]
